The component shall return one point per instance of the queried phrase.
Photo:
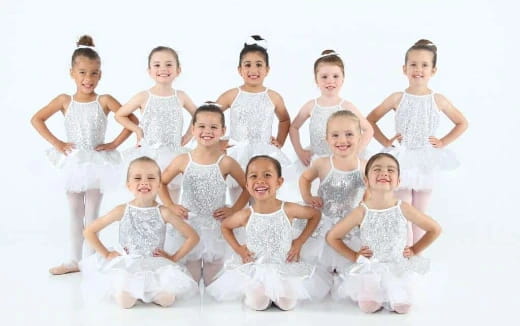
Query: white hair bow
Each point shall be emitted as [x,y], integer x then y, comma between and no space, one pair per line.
[261,43]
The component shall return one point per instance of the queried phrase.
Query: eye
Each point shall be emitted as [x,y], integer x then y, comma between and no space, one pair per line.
[214,127]
[268,175]
[169,65]
[156,65]
[259,65]
[336,76]
[349,134]
[247,65]
[137,178]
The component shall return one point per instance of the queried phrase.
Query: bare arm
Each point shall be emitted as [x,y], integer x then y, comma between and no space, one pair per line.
[91,231]
[305,184]
[226,99]
[460,122]
[190,107]
[190,235]
[111,104]
[237,220]
[231,167]
[338,232]
[294,133]
[284,121]
[124,112]
[366,127]
[432,228]
[38,121]
[176,167]
[312,216]
[373,117]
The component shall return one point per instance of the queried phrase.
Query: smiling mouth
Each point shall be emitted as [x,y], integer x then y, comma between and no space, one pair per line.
[343,147]
[144,189]
[261,189]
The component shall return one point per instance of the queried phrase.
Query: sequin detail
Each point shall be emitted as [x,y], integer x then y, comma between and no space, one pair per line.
[85,124]
[203,191]
[251,117]
[162,121]
[318,128]
[141,230]
[416,119]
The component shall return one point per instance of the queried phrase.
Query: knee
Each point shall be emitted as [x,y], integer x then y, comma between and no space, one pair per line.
[369,306]
[286,303]
[402,308]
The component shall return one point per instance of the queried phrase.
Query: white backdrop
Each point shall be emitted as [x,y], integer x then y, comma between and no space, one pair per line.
[477,70]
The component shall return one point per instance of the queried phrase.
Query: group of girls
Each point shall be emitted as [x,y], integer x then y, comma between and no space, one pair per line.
[352,238]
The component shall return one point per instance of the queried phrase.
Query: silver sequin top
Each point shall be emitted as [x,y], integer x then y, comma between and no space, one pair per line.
[341,192]
[85,124]
[385,232]
[203,191]
[269,236]
[162,121]
[251,117]
[416,119]
[141,230]
[318,127]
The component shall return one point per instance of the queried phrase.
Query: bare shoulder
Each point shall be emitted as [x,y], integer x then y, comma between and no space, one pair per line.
[274,96]
[227,98]
[441,101]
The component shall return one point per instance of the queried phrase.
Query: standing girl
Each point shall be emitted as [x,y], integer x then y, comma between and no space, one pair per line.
[267,269]
[417,113]
[384,265]
[159,133]
[253,107]
[87,163]
[341,187]
[204,191]
[329,75]
[140,268]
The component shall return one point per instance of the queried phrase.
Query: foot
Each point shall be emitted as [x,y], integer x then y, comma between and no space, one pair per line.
[71,267]
[125,300]
[369,306]
[402,308]
[164,299]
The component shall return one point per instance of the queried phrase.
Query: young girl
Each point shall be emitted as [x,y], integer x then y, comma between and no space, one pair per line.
[385,265]
[341,187]
[204,191]
[329,74]
[159,131]
[87,163]
[267,270]
[252,106]
[140,268]
[420,153]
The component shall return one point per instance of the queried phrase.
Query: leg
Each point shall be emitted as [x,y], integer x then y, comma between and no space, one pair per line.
[256,299]
[164,299]
[403,308]
[125,300]
[77,212]
[406,195]
[370,298]
[286,303]
[92,202]
[195,268]
[369,306]
[420,200]
[210,270]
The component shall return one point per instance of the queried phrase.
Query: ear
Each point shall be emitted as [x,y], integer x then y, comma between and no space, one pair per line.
[179,70]
[365,181]
[100,74]
[267,70]
[404,69]
[70,72]
[434,70]
[280,181]
[239,69]
[223,130]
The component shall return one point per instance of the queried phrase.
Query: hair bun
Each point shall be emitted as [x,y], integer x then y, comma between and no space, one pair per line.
[85,40]
[328,51]
[256,40]
[425,42]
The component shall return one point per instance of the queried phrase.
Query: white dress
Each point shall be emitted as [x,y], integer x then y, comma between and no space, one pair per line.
[85,168]
[203,192]
[136,271]
[387,276]
[269,237]
[341,192]
[162,124]
[416,119]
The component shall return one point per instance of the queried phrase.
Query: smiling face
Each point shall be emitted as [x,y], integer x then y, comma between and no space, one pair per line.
[343,135]
[262,179]
[383,174]
[253,68]
[207,128]
[86,74]
[163,67]
[329,78]
[144,179]
[419,67]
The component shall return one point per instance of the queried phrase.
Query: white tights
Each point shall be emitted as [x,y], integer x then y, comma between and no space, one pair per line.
[204,269]
[257,300]
[84,209]
[420,200]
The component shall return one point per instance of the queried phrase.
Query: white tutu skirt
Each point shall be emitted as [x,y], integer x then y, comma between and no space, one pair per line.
[419,167]
[317,251]
[386,283]
[163,155]
[297,280]
[211,247]
[82,170]
[142,277]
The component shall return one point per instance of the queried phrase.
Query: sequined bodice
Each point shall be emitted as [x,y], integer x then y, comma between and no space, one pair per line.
[85,124]
[141,230]
[385,233]
[341,192]
[251,117]
[203,191]
[162,121]
[318,128]
[416,119]
[269,236]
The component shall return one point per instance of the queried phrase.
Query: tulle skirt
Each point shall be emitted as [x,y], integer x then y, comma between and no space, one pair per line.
[82,170]
[419,166]
[297,280]
[384,282]
[142,277]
